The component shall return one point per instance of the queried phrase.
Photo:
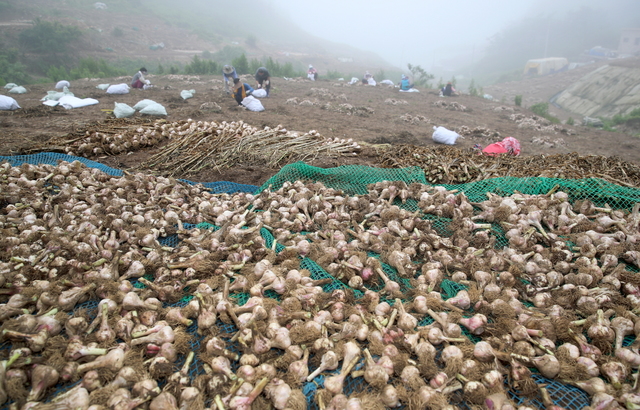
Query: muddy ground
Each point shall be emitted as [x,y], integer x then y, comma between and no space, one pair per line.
[377,116]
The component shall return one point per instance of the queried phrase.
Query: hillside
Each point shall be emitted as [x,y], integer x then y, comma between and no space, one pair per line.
[610,90]
[131,30]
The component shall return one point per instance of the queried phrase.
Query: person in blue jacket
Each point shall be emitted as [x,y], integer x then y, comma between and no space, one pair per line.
[241,90]
[229,74]
[405,83]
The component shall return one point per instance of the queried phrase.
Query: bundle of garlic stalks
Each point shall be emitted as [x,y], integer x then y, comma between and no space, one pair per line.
[307,289]
[109,137]
[196,145]
[449,165]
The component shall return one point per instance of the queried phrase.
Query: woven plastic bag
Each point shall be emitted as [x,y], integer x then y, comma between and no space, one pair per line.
[122,110]
[18,90]
[61,84]
[186,94]
[252,104]
[8,103]
[442,135]
[140,105]
[102,86]
[118,89]
[154,109]
[259,93]
[9,86]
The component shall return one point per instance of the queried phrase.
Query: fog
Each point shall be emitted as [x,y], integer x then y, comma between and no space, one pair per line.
[438,35]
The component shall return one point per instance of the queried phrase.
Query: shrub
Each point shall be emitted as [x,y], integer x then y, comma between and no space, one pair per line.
[473,91]
[49,37]
[542,110]
[518,100]
[86,68]
[570,121]
[241,64]
[251,41]
[420,76]
[199,66]
[11,70]
[334,74]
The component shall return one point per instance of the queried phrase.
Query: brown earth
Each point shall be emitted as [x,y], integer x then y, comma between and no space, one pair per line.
[27,130]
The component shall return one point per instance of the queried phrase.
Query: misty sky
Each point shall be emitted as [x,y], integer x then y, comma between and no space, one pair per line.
[426,32]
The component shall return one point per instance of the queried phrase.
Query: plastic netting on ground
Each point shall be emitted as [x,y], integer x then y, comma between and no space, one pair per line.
[354,180]
[52,158]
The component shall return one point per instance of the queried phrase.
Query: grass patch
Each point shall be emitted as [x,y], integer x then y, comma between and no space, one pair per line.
[542,110]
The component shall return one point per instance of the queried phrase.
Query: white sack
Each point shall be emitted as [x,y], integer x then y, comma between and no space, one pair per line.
[186,94]
[311,77]
[102,86]
[118,89]
[154,109]
[252,104]
[61,84]
[9,86]
[69,102]
[8,103]
[372,81]
[445,136]
[143,104]
[18,90]
[386,82]
[56,95]
[50,103]
[353,80]
[410,90]
[123,110]
[259,93]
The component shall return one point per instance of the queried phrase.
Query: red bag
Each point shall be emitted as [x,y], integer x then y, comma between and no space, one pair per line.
[508,145]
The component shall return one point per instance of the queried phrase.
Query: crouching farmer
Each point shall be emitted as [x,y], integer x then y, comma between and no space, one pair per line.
[241,90]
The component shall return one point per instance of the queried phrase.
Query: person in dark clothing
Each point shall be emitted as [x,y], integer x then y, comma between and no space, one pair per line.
[241,90]
[448,90]
[263,79]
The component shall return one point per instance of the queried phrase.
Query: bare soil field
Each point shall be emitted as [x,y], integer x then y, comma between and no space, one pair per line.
[380,117]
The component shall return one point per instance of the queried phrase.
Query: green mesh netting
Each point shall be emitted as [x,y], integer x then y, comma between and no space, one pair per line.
[351,179]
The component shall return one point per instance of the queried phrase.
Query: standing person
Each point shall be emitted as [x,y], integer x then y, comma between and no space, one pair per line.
[312,73]
[138,80]
[241,90]
[263,79]
[228,73]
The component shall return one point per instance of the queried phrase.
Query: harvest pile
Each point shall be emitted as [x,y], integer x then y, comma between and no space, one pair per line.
[206,144]
[448,165]
[127,291]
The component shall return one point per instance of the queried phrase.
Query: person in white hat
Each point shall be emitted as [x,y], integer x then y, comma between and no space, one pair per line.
[312,73]
[228,73]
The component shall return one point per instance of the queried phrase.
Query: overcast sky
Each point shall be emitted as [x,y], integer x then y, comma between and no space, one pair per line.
[424,32]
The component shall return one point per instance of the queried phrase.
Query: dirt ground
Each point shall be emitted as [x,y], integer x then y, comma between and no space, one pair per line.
[377,115]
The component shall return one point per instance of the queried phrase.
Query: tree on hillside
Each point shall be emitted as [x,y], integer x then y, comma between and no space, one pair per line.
[241,64]
[47,37]
[51,40]
[420,76]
